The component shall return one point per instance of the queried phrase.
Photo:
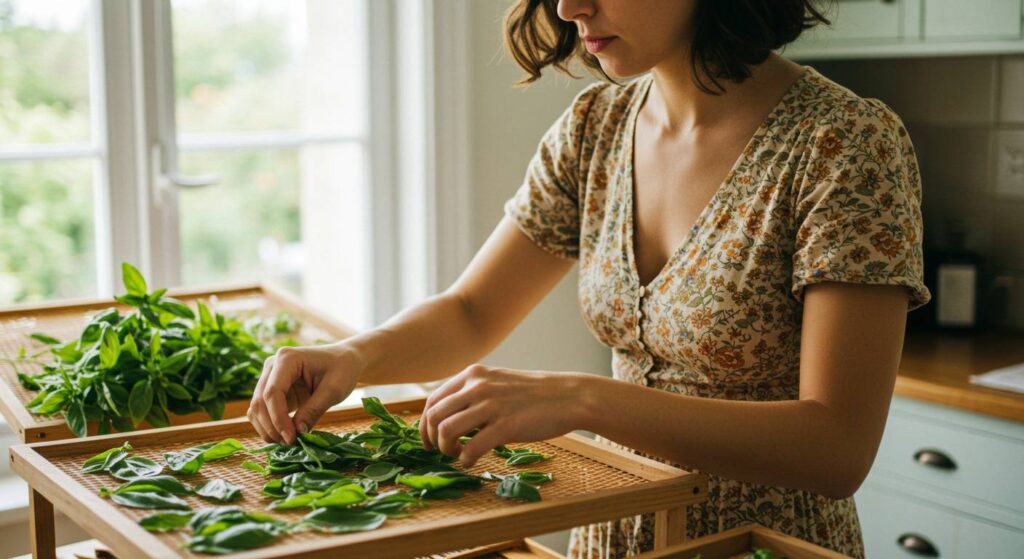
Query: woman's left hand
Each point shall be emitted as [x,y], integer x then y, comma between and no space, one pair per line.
[506,405]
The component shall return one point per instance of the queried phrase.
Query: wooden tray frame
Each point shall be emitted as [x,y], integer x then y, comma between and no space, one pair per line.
[669,491]
[738,542]
[29,427]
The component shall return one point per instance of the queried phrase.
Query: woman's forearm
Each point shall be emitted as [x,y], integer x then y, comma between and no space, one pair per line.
[429,341]
[796,444]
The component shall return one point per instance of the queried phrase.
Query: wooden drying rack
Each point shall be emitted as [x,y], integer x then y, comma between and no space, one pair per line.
[593,482]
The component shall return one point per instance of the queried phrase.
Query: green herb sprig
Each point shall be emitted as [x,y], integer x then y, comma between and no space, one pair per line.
[160,358]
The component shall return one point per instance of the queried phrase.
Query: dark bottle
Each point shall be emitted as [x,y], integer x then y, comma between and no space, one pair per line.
[957,281]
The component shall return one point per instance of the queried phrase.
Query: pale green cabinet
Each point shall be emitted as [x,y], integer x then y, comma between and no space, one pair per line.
[987,19]
[945,483]
[898,28]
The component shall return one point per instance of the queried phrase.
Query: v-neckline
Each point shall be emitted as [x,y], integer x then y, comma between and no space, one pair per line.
[630,180]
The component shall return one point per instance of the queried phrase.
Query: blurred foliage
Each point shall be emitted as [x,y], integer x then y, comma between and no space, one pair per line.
[233,73]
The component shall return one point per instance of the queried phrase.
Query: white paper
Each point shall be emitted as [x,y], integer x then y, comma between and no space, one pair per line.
[1007,378]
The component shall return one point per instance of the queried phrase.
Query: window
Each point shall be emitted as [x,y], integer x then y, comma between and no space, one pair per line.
[207,141]
[49,153]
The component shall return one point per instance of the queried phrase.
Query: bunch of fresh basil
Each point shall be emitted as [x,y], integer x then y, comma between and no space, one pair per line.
[160,358]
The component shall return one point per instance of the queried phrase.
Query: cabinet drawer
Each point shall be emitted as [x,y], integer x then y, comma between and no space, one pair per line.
[983,466]
[887,517]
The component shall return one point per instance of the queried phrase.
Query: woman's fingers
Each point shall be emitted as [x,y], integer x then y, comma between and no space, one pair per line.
[458,424]
[255,411]
[440,412]
[490,436]
[450,386]
[284,374]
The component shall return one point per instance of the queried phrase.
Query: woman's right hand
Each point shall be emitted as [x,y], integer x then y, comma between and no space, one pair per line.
[310,378]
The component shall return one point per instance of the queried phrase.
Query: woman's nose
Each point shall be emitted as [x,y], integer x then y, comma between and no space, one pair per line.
[571,10]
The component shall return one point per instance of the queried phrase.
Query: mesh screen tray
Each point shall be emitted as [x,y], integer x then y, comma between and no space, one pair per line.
[593,482]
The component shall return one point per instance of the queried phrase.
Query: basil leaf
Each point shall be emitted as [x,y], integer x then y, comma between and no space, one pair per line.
[165,521]
[150,500]
[322,439]
[134,283]
[43,338]
[176,307]
[343,496]
[258,468]
[223,449]
[175,390]
[135,467]
[296,501]
[512,488]
[339,520]
[28,382]
[219,490]
[106,459]
[140,401]
[167,484]
[110,349]
[187,461]
[74,414]
[381,471]
[52,403]
[235,538]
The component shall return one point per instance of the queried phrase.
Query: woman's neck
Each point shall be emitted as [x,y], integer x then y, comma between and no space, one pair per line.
[678,106]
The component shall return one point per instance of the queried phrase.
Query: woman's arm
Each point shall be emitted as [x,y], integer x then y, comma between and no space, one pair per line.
[508,277]
[825,442]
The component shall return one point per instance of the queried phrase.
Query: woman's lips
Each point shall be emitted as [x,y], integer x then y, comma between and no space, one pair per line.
[597,44]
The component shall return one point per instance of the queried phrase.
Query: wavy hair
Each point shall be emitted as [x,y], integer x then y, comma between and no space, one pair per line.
[729,37]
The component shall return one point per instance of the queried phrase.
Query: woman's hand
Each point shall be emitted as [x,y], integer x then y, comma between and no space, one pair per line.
[311,378]
[506,405]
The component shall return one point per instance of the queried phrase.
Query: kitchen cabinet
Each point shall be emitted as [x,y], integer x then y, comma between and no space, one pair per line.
[907,28]
[945,483]
[948,19]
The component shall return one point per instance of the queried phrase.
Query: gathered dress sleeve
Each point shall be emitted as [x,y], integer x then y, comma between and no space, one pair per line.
[546,207]
[858,205]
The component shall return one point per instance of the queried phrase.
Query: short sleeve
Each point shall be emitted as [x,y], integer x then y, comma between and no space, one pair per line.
[546,205]
[858,209]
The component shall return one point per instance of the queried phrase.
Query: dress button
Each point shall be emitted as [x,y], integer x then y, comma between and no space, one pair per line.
[640,344]
[643,290]
[639,313]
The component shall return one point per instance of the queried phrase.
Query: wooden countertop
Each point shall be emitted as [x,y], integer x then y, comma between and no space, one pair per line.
[936,366]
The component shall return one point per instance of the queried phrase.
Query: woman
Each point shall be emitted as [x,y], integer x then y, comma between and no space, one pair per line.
[748,234]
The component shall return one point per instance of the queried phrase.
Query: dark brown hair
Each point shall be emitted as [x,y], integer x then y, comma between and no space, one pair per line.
[729,36]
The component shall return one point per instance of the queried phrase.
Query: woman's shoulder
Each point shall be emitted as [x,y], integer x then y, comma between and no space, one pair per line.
[824,104]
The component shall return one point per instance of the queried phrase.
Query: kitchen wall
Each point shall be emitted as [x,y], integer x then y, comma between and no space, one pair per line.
[506,124]
[956,110]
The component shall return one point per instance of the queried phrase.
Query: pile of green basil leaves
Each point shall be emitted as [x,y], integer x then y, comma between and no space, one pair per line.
[158,359]
[340,478]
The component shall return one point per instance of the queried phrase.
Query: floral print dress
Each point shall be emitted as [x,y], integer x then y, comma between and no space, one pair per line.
[827,189]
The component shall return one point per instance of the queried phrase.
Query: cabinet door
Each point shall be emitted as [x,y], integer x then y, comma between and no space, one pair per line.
[867,19]
[955,19]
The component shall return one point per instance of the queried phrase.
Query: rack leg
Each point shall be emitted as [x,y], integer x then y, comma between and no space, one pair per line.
[669,527]
[41,527]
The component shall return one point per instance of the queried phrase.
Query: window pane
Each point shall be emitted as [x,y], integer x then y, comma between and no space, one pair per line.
[256,65]
[44,71]
[46,230]
[295,217]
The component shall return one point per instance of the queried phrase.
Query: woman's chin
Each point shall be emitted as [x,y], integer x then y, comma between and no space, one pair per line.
[620,69]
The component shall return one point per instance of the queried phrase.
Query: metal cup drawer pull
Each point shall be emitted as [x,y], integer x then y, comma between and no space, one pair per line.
[935,459]
[917,545]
